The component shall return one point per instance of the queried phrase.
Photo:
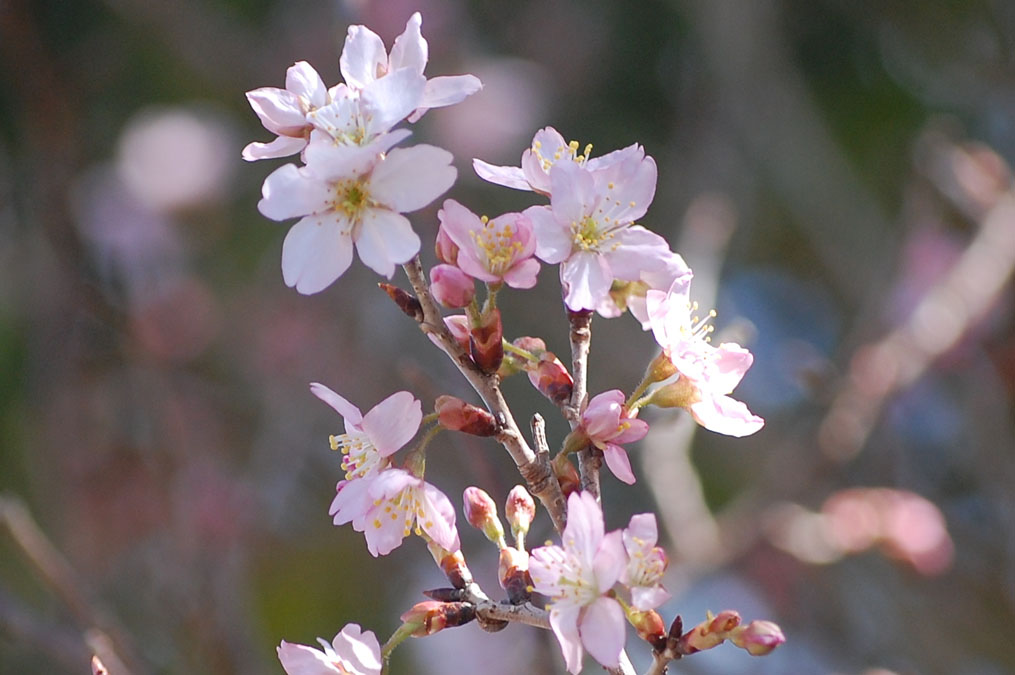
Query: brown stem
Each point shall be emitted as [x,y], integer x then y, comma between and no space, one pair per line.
[534,467]
[589,459]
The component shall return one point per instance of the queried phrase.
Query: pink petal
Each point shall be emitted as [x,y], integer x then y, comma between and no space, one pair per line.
[616,157]
[618,463]
[390,99]
[523,274]
[574,193]
[393,422]
[303,80]
[725,415]
[386,239]
[642,533]
[634,183]
[363,56]
[638,251]
[449,89]
[553,238]
[587,279]
[316,251]
[584,530]
[349,412]
[289,193]
[359,648]
[352,500]
[508,176]
[438,519]
[279,110]
[410,49]
[731,362]
[603,631]
[610,560]
[644,599]
[283,146]
[459,223]
[303,660]
[410,178]
[564,622]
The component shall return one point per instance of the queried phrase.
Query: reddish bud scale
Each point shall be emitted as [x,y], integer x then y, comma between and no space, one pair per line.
[431,616]
[409,305]
[567,475]
[513,575]
[551,378]
[454,568]
[486,345]
[457,415]
[650,628]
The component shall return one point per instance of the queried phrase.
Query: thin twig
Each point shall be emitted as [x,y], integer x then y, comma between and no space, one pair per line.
[589,459]
[534,468]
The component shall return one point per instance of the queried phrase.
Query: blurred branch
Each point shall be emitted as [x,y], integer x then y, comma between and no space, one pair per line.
[28,630]
[108,641]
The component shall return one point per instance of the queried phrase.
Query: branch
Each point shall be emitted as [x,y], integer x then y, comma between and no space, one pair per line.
[589,459]
[534,468]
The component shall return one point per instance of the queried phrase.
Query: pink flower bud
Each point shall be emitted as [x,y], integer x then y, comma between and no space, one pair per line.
[513,574]
[445,248]
[551,378]
[709,633]
[481,512]
[451,286]
[650,627]
[430,616]
[520,511]
[487,344]
[459,327]
[758,637]
[457,415]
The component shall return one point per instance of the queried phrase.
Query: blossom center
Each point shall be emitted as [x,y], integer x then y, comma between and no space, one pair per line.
[361,457]
[351,197]
[569,151]
[498,245]
[588,235]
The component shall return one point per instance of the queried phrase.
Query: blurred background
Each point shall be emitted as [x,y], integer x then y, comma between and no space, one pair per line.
[835,171]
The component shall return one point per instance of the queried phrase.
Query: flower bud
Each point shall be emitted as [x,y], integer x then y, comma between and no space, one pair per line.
[98,668]
[566,475]
[445,248]
[758,637]
[679,394]
[451,286]
[650,627]
[452,564]
[513,574]
[514,363]
[457,415]
[430,616]
[551,378]
[486,345]
[409,305]
[481,512]
[709,633]
[520,511]
[458,325]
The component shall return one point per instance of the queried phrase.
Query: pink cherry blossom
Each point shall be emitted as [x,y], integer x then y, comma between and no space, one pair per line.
[494,251]
[608,424]
[370,439]
[630,295]
[451,286]
[589,228]
[284,112]
[385,506]
[364,60]
[352,196]
[549,147]
[646,563]
[576,578]
[710,373]
[353,652]
[358,117]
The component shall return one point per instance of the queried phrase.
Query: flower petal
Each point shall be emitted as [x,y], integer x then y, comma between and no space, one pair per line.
[349,412]
[586,278]
[283,146]
[449,89]
[410,178]
[584,530]
[438,519]
[603,631]
[302,80]
[410,49]
[619,463]
[564,622]
[363,57]
[389,100]
[386,239]
[393,422]
[553,238]
[359,648]
[610,561]
[279,110]
[725,415]
[508,176]
[288,192]
[316,251]
[303,660]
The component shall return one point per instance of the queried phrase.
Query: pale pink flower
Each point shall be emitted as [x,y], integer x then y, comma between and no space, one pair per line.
[710,373]
[646,563]
[576,577]
[608,424]
[385,506]
[353,652]
[630,295]
[284,112]
[451,286]
[370,439]
[589,228]
[494,251]
[352,196]
[549,147]
[365,60]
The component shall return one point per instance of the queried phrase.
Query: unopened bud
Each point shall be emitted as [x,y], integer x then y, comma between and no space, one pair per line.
[445,594]
[408,304]
[458,326]
[661,368]
[513,574]
[551,378]
[457,415]
[566,475]
[679,394]
[452,564]
[520,511]
[430,616]
[650,627]
[97,666]
[481,512]
[487,345]
[711,632]
[445,248]
[451,286]
[758,637]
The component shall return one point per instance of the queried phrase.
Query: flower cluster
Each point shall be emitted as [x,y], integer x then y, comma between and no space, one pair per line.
[350,191]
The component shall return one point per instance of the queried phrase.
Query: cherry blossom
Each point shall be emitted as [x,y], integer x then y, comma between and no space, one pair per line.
[630,295]
[370,439]
[353,652]
[707,374]
[646,563]
[364,60]
[576,578]
[608,424]
[589,228]
[494,251]
[352,196]
[386,505]
[284,112]
[549,147]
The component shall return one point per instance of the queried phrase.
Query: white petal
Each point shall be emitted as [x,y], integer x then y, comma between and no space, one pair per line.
[349,412]
[316,251]
[438,519]
[553,238]
[508,176]
[288,193]
[410,178]
[303,80]
[360,648]
[385,239]
[393,422]
[564,623]
[280,110]
[303,660]
[283,146]
[449,90]
[390,99]
[574,194]
[363,57]
[584,530]
[638,251]
[410,49]
[603,631]
[587,279]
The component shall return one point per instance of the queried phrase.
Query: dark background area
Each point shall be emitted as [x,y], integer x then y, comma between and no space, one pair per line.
[834,171]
